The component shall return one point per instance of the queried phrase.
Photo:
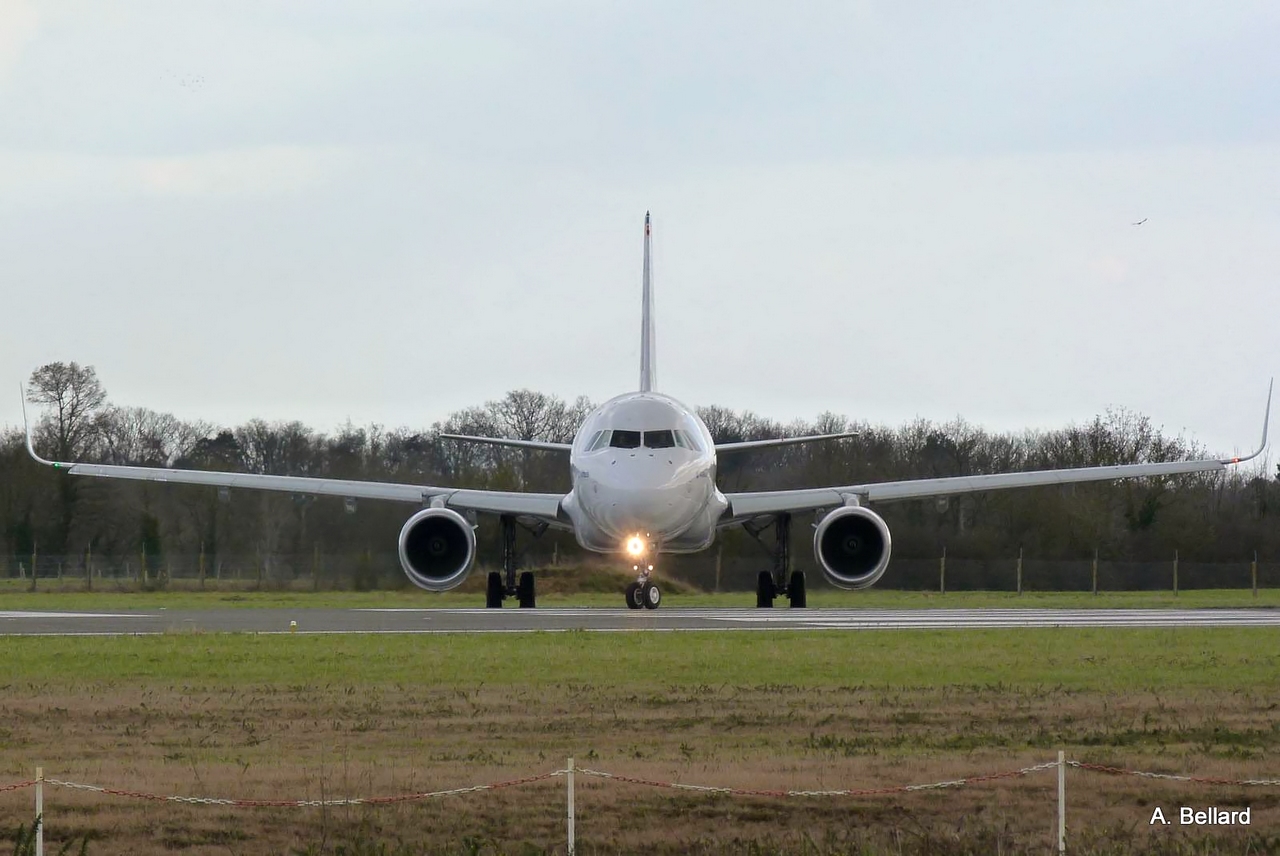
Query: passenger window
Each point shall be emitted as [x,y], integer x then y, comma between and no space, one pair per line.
[599,441]
[625,440]
[659,439]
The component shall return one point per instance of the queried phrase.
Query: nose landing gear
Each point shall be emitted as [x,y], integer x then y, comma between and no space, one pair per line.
[644,592]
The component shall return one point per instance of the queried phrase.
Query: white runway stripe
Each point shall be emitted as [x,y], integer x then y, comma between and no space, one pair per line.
[592,620]
[72,615]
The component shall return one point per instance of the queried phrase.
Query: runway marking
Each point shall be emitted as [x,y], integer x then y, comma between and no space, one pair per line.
[596,620]
[15,614]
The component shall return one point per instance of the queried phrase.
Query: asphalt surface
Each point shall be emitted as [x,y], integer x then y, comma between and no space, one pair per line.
[607,620]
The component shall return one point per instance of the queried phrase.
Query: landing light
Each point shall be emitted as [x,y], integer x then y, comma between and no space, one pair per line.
[635,545]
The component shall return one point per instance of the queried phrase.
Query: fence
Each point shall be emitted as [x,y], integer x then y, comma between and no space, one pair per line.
[40,782]
[316,570]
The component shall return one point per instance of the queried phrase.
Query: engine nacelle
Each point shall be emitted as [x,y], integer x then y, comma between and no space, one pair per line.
[437,547]
[852,546]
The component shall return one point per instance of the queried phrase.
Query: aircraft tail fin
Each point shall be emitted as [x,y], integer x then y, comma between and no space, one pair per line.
[647,379]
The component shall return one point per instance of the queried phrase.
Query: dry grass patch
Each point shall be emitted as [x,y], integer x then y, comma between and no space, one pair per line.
[323,740]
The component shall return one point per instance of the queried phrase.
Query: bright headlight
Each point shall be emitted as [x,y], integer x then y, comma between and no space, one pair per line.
[635,545]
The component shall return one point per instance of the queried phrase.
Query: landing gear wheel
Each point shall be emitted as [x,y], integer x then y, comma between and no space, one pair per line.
[766,591]
[651,595]
[796,591]
[525,591]
[495,591]
[633,596]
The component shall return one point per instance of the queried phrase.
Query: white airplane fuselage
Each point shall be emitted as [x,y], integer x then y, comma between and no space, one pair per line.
[644,467]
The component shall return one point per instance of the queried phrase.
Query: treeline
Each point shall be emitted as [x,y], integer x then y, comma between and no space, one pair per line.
[1205,517]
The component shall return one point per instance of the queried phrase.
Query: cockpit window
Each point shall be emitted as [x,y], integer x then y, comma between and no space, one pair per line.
[599,441]
[686,441]
[659,439]
[625,440]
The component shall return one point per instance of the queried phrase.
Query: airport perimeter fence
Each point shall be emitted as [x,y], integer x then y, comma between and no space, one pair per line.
[571,772]
[709,572]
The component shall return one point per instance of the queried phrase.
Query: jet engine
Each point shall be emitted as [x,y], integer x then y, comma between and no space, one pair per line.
[437,547]
[852,546]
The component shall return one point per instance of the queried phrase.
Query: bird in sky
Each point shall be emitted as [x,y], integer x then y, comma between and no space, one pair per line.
[1140,222]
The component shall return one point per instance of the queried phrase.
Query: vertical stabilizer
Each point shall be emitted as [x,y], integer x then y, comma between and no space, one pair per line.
[646,318]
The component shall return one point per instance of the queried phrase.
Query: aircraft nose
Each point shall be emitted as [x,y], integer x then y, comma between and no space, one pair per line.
[641,471]
[635,495]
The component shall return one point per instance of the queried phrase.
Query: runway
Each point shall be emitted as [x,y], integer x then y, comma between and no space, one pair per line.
[251,620]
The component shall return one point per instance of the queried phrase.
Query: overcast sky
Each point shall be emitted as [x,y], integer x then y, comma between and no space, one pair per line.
[389,211]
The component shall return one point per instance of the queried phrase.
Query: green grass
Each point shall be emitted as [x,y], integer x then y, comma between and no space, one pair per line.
[14,595]
[1055,659]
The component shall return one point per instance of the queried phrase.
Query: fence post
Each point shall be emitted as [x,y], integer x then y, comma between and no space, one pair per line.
[942,572]
[34,568]
[88,568]
[719,559]
[1095,570]
[1253,573]
[202,564]
[1062,802]
[1019,570]
[39,811]
[569,778]
[1175,573]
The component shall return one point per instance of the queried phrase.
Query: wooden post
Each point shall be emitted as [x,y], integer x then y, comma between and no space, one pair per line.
[719,559]
[572,843]
[39,842]
[34,570]
[942,572]
[1253,573]
[1175,573]
[1095,570]
[142,574]
[88,568]
[1019,570]
[1062,801]
[201,564]
[315,566]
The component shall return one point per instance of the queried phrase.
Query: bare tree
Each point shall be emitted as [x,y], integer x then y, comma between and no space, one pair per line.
[75,394]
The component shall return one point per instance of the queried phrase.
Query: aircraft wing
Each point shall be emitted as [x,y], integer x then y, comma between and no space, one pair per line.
[784,441]
[504,441]
[543,506]
[744,506]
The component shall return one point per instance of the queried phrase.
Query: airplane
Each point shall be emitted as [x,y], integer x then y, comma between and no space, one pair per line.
[643,468]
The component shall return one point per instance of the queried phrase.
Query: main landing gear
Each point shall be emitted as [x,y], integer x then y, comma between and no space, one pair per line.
[781,580]
[505,584]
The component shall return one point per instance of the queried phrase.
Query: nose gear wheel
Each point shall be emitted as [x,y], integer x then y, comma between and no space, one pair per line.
[644,592]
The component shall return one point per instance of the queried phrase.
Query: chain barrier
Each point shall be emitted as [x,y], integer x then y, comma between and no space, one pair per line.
[633,780]
[331,803]
[1173,777]
[861,792]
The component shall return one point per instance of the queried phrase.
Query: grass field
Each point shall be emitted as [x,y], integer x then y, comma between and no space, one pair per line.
[304,716]
[70,595]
